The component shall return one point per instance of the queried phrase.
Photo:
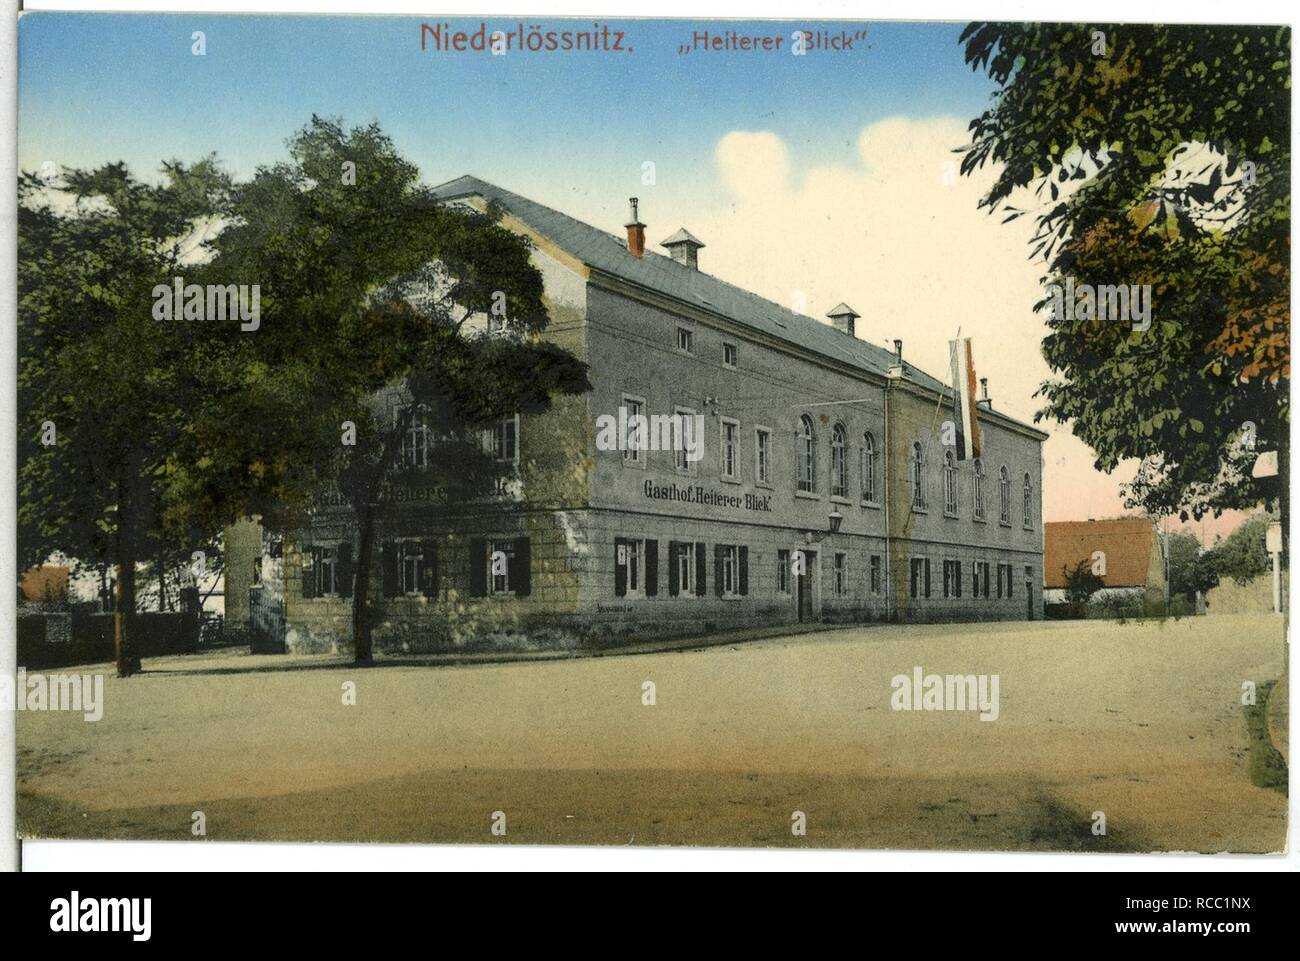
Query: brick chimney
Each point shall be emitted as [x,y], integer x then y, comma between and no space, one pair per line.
[684,247]
[843,319]
[635,231]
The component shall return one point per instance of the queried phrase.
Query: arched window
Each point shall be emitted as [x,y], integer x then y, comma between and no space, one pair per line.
[1029,502]
[917,477]
[979,488]
[869,467]
[949,483]
[839,462]
[806,454]
[1004,492]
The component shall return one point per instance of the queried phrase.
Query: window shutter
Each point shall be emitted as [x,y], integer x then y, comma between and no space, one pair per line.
[743,561]
[915,572]
[521,568]
[478,567]
[700,579]
[620,569]
[429,569]
[388,554]
[927,577]
[344,573]
[1009,579]
[651,568]
[717,568]
[309,569]
[956,569]
[674,568]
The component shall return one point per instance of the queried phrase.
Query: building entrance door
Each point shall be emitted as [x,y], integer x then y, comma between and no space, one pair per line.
[1029,594]
[804,586]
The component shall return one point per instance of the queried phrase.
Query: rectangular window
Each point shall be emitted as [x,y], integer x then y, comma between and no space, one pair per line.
[763,455]
[952,578]
[920,577]
[683,439]
[634,441]
[415,441]
[686,340]
[411,560]
[875,574]
[730,448]
[505,441]
[1000,570]
[783,572]
[841,573]
[730,572]
[729,355]
[984,578]
[500,560]
[684,569]
[636,567]
[327,571]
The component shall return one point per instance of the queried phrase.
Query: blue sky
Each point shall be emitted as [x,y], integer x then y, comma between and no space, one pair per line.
[95,88]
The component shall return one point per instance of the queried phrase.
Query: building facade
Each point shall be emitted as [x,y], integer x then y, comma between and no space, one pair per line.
[808,480]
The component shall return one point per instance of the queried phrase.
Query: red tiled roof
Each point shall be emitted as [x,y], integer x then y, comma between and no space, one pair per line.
[1127,543]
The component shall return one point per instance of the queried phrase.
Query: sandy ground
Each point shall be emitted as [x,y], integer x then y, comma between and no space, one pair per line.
[1140,721]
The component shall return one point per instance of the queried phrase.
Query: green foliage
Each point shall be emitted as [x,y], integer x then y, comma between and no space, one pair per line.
[1243,554]
[116,384]
[1081,583]
[1191,571]
[1165,161]
[369,282]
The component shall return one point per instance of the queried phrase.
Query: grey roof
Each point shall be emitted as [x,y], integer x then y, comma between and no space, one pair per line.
[683,236]
[607,253]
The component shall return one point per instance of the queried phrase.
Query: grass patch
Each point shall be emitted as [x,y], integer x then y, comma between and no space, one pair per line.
[1267,766]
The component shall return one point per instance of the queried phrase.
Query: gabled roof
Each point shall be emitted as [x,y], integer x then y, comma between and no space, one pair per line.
[842,310]
[1127,543]
[609,254]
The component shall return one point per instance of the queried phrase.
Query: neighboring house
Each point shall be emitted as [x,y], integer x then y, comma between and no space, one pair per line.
[823,492]
[1127,552]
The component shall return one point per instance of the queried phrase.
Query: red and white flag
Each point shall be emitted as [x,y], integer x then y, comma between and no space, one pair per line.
[963,398]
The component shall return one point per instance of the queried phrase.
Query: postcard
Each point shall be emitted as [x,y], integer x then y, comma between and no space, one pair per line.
[594,431]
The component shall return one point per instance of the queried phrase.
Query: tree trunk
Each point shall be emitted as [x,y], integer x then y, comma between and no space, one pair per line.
[361,644]
[123,616]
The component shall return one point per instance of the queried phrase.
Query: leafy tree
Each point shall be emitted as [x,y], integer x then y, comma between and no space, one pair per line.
[1080,583]
[368,282]
[1155,155]
[104,387]
[1191,571]
[1243,554]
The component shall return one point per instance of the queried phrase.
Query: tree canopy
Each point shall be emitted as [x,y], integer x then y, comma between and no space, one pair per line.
[1154,155]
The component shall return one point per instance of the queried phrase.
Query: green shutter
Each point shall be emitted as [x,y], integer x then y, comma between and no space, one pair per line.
[478,567]
[651,568]
[343,573]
